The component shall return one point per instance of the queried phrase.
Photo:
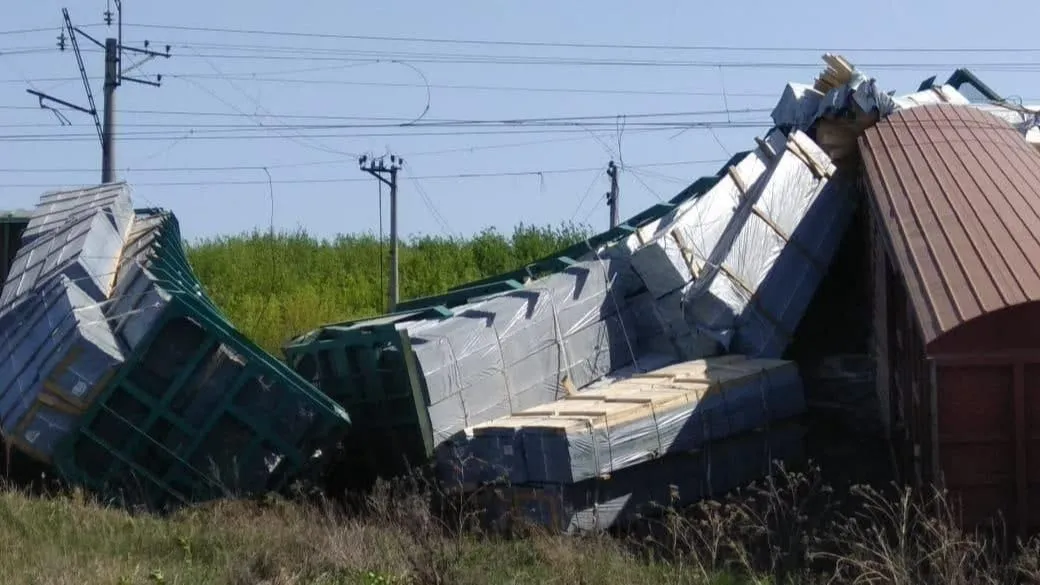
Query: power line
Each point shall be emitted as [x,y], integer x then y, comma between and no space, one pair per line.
[372,57]
[297,139]
[575,45]
[450,132]
[482,147]
[24,31]
[353,179]
[260,53]
[471,148]
[585,196]
[432,208]
[258,77]
[478,59]
[398,122]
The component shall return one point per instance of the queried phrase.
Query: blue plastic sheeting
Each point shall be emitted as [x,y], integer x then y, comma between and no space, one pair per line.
[638,491]
[60,351]
[605,430]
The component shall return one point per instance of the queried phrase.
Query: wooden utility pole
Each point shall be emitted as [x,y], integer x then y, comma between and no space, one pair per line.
[114,77]
[613,195]
[387,175]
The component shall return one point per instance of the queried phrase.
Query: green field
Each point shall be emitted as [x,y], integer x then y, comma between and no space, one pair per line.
[273,288]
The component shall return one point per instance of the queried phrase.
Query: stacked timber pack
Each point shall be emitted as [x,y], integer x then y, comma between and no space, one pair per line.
[745,259]
[559,387]
[670,410]
[60,344]
[521,349]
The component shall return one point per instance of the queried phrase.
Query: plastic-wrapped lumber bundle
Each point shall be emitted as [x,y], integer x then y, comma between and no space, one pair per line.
[798,106]
[522,348]
[626,422]
[138,296]
[86,248]
[61,349]
[941,94]
[60,353]
[769,275]
[58,207]
[1025,118]
[642,490]
[684,248]
[662,329]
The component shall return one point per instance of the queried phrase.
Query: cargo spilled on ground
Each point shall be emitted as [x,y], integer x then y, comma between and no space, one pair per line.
[778,311]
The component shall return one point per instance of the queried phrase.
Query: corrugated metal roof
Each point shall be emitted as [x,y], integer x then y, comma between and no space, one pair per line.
[958,192]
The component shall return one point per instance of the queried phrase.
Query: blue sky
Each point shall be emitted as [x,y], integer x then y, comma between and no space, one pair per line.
[245,81]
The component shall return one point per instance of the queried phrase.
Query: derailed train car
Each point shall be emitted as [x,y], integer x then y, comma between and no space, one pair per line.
[127,380]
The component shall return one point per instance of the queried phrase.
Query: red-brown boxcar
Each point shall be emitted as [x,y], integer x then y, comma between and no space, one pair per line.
[954,195]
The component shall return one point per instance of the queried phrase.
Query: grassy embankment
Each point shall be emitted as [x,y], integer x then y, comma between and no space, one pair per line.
[274,289]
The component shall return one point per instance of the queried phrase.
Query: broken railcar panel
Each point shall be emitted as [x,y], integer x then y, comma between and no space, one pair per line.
[972,87]
[371,370]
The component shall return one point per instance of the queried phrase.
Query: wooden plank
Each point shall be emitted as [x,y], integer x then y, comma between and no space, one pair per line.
[737,180]
[795,148]
[766,148]
[639,397]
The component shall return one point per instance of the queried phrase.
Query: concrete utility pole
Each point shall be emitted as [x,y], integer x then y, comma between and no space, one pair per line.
[613,195]
[108,157]
[114,77]
[378,169]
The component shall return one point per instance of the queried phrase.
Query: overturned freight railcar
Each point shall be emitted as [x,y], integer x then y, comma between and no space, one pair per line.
[125,378]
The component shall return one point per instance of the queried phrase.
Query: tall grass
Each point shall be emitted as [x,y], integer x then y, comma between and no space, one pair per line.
[784,530]
[273,288]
